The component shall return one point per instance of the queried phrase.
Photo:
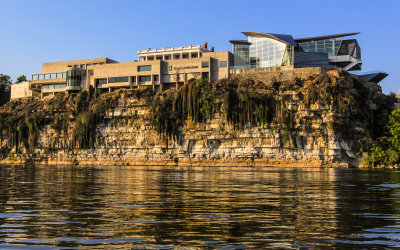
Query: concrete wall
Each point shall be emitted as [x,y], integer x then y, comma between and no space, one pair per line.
[20,90]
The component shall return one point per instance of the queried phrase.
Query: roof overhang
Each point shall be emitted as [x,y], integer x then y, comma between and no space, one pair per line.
[283,38]
[373,77]
[240,42]
[315,38]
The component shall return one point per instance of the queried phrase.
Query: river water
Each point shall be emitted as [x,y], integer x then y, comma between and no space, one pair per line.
[198,207]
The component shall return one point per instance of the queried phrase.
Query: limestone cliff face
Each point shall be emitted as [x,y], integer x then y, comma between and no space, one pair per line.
[302,131]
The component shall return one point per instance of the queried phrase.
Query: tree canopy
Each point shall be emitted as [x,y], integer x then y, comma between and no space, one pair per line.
[5,88]
[21,78]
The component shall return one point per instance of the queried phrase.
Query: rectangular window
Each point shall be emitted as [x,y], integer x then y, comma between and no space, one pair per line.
[76,66]
[144,68]
[118,79]
[62,86]
[47,76]
[64,75]
[35,77]
[156,78]
[53,76]
[144,78]
[222,64]
[59,75]
[100,82]
[133,79]
[205,64]
[41,77]
[83,66]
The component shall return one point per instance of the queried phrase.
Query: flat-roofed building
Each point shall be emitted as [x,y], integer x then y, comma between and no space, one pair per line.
[65,76]
[159,68]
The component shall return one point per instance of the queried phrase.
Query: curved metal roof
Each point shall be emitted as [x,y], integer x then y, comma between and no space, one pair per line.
[288,39]
[314,38]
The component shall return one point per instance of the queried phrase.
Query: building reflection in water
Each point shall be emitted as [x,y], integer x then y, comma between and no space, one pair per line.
[174,206]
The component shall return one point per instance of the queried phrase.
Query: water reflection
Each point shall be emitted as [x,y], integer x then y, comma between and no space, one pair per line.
[52,206]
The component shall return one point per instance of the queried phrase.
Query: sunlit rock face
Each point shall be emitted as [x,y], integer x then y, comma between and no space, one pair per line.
[317,117]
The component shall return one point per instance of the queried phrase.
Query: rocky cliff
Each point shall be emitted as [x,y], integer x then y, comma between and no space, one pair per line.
[301,117]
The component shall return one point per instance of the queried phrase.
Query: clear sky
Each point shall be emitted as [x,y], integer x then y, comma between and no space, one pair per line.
[37,31]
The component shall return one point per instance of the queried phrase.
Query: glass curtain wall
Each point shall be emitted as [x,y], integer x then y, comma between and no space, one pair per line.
[266,52]
[329,46]
[74,77]
[241,58]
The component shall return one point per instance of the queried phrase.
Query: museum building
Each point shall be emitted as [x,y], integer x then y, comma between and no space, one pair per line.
[167,68]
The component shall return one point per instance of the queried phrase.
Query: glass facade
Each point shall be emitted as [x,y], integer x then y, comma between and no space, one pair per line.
[266,52]
[74,77]
[262,52]
[241,58]
[329,46]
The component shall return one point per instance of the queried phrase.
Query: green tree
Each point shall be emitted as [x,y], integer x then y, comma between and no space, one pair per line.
[21,78]
[5,89]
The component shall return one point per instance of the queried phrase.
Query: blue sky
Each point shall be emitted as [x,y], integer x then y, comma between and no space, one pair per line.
[33,32]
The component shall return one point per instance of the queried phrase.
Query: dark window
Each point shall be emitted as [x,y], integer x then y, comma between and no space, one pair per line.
[144,68]
[205,64]
[100,82]
[83,66]
[144,78]
[134,79]
[118,79]
[222,64]
[156,78]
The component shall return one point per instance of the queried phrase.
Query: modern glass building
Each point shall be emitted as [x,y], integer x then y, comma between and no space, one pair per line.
[263,50]
[273,50]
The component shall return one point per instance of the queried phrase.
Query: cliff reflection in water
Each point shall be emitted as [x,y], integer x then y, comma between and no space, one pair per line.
[214,207]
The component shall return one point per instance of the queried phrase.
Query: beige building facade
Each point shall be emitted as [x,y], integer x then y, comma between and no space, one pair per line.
[20,90]
[158,68]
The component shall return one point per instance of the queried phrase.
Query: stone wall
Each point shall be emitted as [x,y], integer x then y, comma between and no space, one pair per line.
[126,137]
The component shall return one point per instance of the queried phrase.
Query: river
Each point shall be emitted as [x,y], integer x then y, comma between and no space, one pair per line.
[57,207]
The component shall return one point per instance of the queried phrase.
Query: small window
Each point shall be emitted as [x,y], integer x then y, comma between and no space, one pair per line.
[69,66]
[59,75]
[144,68]
[41,77]
[205,64]
[83,66]
[222,64]
[156,78]
[35,77]
[53,76]
[133,79]
[144,78]
[76,66]
[64,75]
[47,76]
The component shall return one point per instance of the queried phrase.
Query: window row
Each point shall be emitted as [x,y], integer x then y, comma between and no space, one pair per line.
[101,81]
[54,86]
[48,76]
